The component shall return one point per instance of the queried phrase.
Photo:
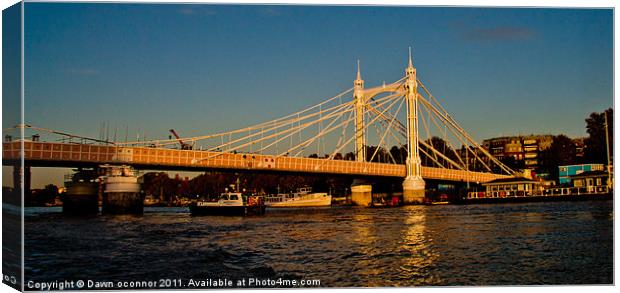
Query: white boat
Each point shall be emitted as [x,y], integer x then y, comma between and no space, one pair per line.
[229,203]
[304,197]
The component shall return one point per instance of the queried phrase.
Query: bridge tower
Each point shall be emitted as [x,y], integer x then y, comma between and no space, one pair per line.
[360,136]
[413,186]
[361,192]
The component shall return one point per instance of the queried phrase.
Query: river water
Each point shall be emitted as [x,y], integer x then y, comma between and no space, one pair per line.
[493,244]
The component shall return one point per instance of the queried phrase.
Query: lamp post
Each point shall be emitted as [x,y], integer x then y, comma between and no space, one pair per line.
[607,146]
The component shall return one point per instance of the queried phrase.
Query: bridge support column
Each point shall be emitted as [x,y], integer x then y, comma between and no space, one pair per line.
[15,196]
[17,179]
[81,198]
[121,193]
[413,186]
[361,193]
[121,203]
[413,190]
[82,192]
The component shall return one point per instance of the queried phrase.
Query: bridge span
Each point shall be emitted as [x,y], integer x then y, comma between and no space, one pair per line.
[51,154]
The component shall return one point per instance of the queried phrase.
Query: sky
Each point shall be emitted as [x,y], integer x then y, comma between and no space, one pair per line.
[203,69]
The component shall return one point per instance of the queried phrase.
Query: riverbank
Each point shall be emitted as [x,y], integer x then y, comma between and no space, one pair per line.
[540,198]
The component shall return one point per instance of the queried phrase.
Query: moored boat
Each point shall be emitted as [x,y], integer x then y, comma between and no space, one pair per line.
[393,202]
[229,203]
[304,197]
[152,201]
[441,200]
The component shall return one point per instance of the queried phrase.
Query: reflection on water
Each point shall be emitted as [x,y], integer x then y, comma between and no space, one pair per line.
[533,243]
[417,249]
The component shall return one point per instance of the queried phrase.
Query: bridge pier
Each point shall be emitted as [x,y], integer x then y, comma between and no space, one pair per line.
[82,193]
[121,193]
[81,198]
[15,196]
[17,179]
[361,193]
[122,203]
[413,190]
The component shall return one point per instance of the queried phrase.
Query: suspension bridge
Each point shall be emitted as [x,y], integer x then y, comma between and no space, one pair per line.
[403,115]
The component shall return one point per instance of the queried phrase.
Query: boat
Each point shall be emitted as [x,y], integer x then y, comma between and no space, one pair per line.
[441,200]
[57,202]
[229,204]
[152,201]
[304,197]
[393,202]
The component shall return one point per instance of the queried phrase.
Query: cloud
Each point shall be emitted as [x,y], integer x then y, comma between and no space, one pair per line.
[504,33]
[187,11]
[82,71]
[269,11]
[196,10]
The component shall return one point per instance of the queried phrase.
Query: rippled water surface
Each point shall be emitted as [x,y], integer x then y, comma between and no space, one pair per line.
[532,243]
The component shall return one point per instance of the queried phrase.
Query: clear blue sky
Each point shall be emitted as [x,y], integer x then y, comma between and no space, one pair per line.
[206,68]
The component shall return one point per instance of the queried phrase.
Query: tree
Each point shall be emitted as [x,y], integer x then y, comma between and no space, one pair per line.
[442,147]
[399,154]
[595,149]
[381,155]
[561,152]
[154,183]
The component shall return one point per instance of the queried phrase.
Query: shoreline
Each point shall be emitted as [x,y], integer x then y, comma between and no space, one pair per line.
[538,198]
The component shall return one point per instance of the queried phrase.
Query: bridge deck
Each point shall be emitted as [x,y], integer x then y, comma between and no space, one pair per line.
[65,153]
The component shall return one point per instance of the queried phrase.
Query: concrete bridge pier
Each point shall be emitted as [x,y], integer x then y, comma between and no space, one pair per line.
[361,193]
[413,190]
[81,198]
[82,193]
[122,203]
[121,192]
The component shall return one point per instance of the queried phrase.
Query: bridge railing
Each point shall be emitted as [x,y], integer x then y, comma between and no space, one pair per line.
[100,154]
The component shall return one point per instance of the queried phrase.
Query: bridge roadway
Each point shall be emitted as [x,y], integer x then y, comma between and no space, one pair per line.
[50,154]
